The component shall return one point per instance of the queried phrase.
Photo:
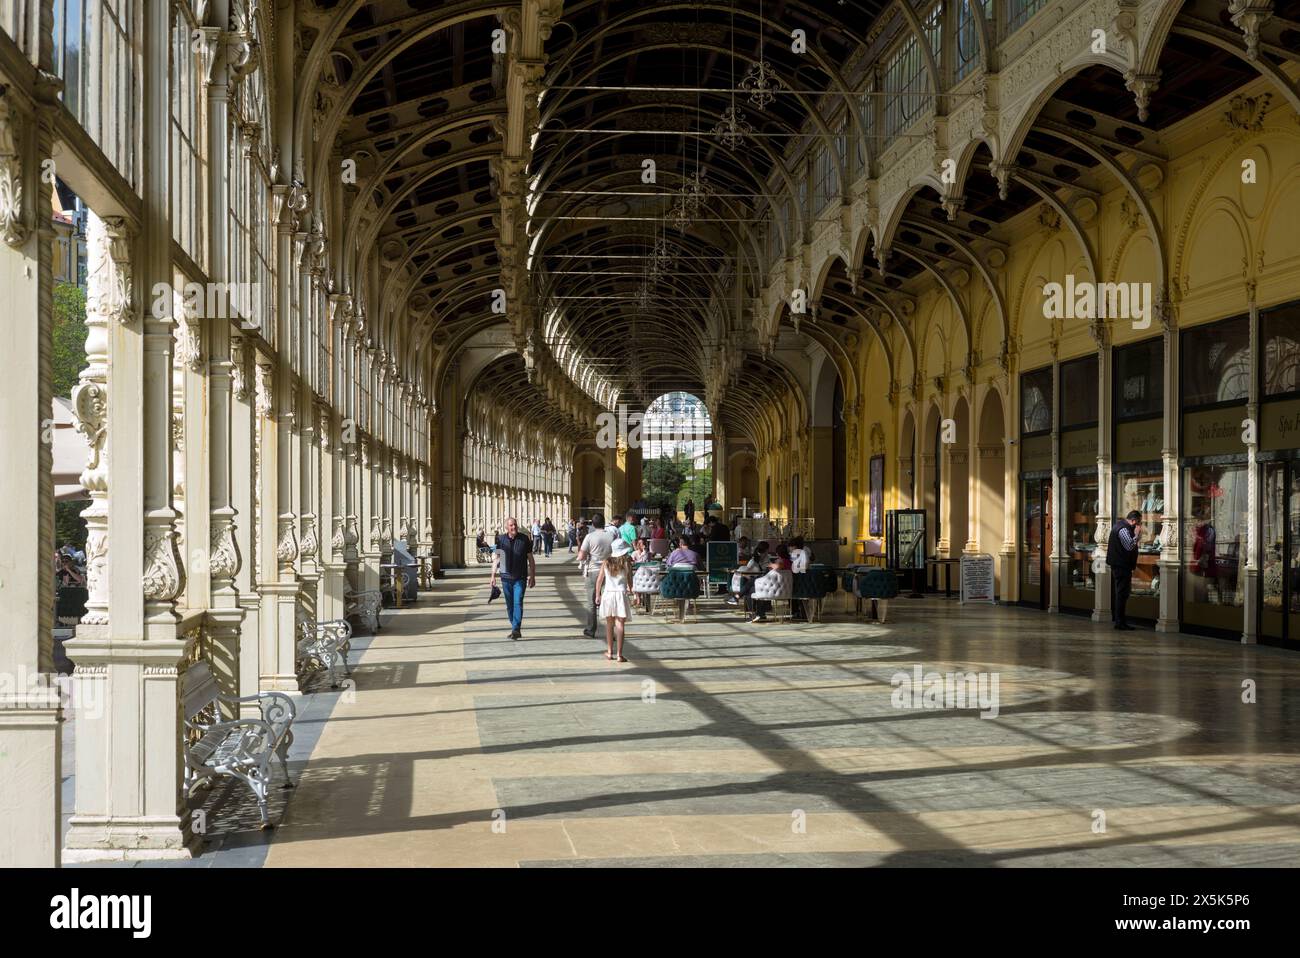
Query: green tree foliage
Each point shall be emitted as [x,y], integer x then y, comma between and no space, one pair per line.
[68,524]
[698,485]
[69,355]
[67,360]
[660,481]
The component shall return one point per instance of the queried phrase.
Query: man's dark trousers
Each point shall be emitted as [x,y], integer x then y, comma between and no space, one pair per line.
[1121,584]
[590,584]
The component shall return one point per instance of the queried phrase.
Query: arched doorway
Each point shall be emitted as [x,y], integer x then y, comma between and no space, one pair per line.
[829,464]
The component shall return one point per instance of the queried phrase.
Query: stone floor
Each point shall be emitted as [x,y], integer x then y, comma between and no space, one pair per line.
[724,743]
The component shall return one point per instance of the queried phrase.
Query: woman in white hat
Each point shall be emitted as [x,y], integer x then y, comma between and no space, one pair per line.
[611,596]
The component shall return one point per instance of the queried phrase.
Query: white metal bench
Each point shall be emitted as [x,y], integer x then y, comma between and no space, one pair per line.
[237,748]
[365,607]
[324,646]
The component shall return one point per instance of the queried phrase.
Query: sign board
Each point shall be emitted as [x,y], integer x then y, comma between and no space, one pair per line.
[977,582]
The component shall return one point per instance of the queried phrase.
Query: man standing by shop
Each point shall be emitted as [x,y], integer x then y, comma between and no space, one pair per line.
[595,549]
[514,559]
[1121,556]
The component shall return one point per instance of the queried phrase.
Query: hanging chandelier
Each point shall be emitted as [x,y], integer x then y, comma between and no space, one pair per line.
[761,83]
[732,129]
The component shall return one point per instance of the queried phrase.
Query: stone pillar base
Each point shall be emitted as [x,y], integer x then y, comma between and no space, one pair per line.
[129,839]
[335,585]
[30,788]
[1250,613]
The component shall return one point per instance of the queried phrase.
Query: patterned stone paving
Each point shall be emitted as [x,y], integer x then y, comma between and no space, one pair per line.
[727,744]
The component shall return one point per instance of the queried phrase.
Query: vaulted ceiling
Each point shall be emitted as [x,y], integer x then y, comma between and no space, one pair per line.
[652,273]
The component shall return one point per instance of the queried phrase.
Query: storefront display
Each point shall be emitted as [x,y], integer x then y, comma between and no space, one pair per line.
[1215,381]
[1138,477]
[1144,492]
[1280,590]
[1279,619]
[1082,499]
[1036,450]
[1214,548]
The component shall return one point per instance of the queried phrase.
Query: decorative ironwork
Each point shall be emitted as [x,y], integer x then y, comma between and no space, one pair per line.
[761,83]
[732,129]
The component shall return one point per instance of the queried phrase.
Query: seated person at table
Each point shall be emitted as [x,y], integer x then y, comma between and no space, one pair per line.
[742,581]
[641,553]
[742,549]
[800,555]
[683,554]
[759,607]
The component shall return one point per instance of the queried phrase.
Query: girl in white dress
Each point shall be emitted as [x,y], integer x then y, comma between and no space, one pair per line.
[612,597]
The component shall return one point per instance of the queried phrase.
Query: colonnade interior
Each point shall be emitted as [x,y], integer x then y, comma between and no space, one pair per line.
[369,274]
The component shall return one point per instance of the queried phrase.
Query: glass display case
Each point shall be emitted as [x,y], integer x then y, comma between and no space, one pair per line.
[1082,500]
[1214,545]
[1143,491]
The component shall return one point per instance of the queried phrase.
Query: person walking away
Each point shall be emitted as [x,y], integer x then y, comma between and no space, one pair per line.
[548,535]
[595,549]
[1121,556]
[514,560]
[571,535]
[611,597]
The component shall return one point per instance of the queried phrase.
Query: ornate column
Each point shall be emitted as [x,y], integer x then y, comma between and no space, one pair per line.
[30,708]
[267,537]
[1170,523]
[1057,561]
[1254,488]
[281,453]
[244,501]
[225,376]
[1105,483]
[129,765]
[331,498]
[369,520]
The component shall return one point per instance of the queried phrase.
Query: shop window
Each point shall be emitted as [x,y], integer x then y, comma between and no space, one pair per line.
[1280,332]
[1214,551]
[1216,363]
[1036,401]
[1079,382]
[1143,490]
[1140,380]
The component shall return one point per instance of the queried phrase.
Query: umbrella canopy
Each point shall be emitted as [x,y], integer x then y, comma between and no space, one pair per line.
[70,453]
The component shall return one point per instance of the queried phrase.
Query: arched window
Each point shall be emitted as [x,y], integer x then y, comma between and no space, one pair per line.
[676,451]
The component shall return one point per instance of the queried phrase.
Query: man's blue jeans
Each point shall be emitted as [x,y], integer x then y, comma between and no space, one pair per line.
[512,590]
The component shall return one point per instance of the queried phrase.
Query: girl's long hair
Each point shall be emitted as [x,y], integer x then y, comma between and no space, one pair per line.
[615,565]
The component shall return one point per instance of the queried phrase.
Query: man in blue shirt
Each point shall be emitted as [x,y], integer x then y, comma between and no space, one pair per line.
[514,559]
